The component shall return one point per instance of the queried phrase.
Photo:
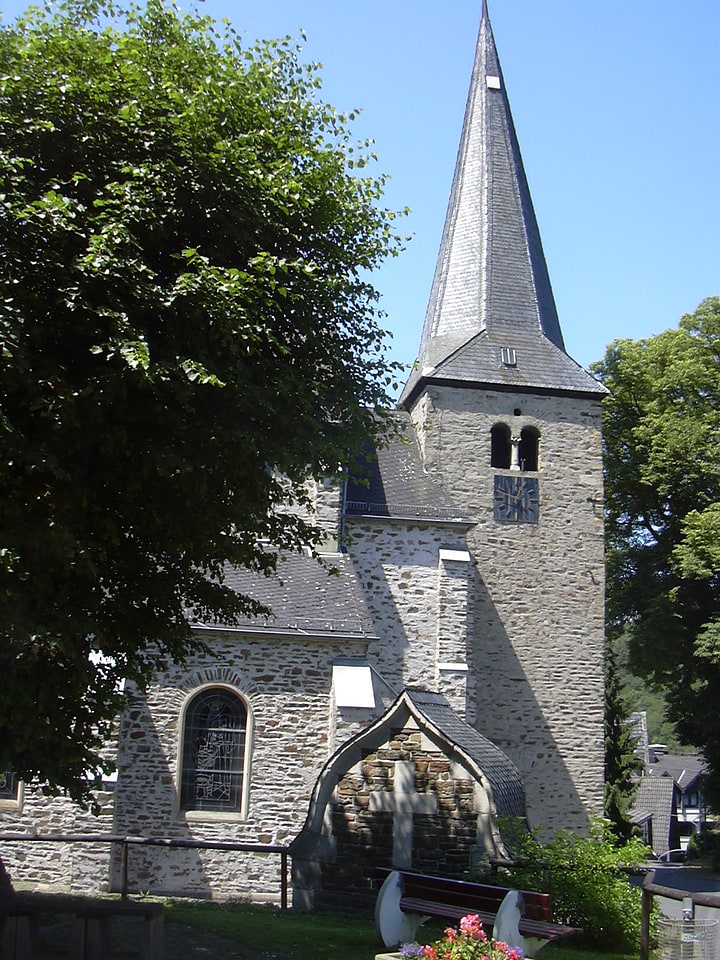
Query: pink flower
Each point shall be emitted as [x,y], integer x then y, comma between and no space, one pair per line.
[471,926]
[430,953]
[451,934]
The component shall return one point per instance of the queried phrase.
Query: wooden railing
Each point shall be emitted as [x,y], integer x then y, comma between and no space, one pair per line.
[125,843]
[651,889]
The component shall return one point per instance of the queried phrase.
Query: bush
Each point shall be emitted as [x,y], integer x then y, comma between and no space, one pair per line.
[704,848]
[587,878]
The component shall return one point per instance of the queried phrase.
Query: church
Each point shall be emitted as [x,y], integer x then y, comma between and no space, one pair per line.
[449,673]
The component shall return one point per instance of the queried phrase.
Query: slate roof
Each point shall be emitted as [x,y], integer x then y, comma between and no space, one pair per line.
[304,597]
[501,773]
[684,769]
[655,798]
[394,483]
[491,287]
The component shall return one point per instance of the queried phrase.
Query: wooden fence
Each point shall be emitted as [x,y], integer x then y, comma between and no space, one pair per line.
[125,843]
[651,889]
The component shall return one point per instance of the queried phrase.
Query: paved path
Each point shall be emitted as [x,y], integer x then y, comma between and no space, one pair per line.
[692,880]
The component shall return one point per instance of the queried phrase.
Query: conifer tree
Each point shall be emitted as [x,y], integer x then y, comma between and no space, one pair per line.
[622,763]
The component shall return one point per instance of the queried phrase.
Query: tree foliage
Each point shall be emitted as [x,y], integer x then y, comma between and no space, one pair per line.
[622,763]
[662,475]
[638,695]
[586,876]
[187,333]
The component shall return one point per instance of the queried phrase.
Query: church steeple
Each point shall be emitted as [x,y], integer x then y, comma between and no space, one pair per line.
[491,318]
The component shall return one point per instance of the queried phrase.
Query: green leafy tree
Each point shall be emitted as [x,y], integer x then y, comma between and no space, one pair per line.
[622,763]
[587,877]
[187,333]
[662,474]
[637,695]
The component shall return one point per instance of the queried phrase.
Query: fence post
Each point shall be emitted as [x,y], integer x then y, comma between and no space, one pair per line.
[646,909]
[283,880]
[124,847]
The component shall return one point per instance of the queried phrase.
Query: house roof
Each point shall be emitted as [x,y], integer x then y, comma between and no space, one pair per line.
[684,769]
[305,598]
[391,481]
[491,288]
[655,798]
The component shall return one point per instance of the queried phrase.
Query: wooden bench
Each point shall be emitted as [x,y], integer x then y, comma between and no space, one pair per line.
[418,896]
[91,925]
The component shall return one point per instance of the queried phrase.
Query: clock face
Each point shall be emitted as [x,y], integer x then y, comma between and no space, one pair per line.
[517,499]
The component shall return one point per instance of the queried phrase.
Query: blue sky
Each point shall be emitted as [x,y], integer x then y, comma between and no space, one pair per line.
[616,108]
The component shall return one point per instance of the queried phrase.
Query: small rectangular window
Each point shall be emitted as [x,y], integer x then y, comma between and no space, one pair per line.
[509,357]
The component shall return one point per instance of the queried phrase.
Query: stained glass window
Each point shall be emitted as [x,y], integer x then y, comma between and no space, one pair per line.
[213,751]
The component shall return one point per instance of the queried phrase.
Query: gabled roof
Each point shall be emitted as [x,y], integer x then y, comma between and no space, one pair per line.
[683,768]
[391,481]
[656,799]
[305,598]
[491,288]
[494,766]
[434,716]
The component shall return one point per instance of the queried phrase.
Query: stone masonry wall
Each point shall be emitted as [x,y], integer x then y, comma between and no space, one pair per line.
[404,583]
[537,600]
[287,687]
[79,867]
[446,841]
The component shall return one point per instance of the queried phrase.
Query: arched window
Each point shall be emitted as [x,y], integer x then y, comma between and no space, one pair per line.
[500,446]
[213,751]
[529,445]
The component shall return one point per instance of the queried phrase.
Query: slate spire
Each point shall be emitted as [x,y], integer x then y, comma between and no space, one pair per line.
[491,299]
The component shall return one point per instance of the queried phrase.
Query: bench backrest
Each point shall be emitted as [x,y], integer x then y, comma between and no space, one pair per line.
[472,897]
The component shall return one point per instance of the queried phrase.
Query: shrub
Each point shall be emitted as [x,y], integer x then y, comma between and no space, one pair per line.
[704,848]
[587,878]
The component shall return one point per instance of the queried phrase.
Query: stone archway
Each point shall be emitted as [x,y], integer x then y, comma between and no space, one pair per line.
[418,789]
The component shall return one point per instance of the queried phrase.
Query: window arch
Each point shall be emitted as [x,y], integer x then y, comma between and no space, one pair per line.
[214,750]
[500,446]
[529,447]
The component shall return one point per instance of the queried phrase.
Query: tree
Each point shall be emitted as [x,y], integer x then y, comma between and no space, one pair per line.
[622,763]
[187,331]
[662,475]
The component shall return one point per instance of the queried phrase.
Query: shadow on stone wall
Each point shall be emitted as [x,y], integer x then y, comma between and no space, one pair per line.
[146,806]
[403,609]
[509,714]
[501,702]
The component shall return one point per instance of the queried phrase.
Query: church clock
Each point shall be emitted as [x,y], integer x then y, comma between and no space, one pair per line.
[517,499]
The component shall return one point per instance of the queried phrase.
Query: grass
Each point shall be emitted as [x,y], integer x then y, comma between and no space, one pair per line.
[317,935]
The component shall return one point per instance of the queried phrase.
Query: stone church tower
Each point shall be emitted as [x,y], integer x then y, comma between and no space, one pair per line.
[509,426]
[450,673]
